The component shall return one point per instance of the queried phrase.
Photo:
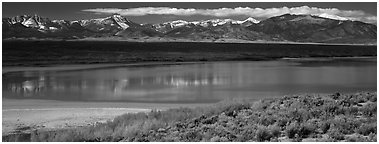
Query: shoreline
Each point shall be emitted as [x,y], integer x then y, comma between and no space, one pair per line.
[24,116]
[66,67]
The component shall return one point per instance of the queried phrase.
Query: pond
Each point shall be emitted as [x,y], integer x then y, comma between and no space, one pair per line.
[196,83]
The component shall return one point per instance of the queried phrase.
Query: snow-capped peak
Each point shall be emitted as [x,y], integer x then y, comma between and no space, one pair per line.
[58,21]
[213,22]
[29,21]
[250,19]
[335,17]
[117,16]
[118,19]
[218,22]
[177,23]
[172,24]
[205,23]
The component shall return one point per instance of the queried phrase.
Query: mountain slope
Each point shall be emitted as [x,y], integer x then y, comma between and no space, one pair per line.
[168,26]
[306,28]
[114,25]
[323,28]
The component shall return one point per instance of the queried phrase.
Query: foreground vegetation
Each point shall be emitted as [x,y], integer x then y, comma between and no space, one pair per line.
[45,53]
[336,117]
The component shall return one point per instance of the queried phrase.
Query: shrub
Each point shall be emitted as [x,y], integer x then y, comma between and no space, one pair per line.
[355,138]
[282,121]
[266,120]
[366,129]
[274,131]
[372,98]
[299,115]
[248,133]
[324,138]
[335,96]
[215,139]
[292,130]
[173,137]
[233,109]
[133,130]
[351,111]
[372,137]
[224,139]
[306,129]
[261,105]
[263,134]
[345,124]
[302,130]
[336,134]
[324,126]
[331,108]
[369,110]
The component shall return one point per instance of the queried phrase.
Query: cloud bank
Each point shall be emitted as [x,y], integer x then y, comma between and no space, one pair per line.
[225,12]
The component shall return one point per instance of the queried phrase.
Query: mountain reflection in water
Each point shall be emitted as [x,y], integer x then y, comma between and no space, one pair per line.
[209,82]
[133,86]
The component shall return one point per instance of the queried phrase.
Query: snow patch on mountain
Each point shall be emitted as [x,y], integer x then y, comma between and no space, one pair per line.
[53,28]
[204,23]
[30,23]
[120,21]
[250,19]
[219,22]
[335,17]
[177,23]
[111,20]
[213,22]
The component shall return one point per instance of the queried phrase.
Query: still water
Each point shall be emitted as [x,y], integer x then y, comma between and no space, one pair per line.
[197,83]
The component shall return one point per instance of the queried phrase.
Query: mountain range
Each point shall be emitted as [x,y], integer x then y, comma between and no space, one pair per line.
[323,28]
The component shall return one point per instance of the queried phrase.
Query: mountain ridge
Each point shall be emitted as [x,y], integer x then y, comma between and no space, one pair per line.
[288,27]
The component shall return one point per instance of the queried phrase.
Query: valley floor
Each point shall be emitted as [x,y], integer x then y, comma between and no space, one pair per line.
[47,53]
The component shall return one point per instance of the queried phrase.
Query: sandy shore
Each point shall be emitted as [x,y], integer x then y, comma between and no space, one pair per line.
[27,115]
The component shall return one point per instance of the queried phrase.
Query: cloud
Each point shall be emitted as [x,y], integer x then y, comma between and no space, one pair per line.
[225,12]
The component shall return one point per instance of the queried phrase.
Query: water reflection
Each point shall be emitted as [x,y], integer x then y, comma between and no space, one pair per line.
[127,86]
[190,83]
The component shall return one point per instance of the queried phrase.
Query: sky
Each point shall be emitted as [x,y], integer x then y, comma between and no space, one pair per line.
[157,12]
